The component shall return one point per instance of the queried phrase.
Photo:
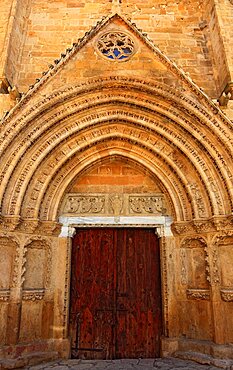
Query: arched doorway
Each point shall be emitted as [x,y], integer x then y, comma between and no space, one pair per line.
[115,309]
[115,305]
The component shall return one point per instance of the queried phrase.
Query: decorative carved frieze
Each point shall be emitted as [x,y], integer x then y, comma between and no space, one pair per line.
[4,295]
[11,222]
[183,260]
[204,226]
[227,295]
[137,204]
[79,204]
[33,295]
[198,294]
[215,269]
[199,202]
[146,204]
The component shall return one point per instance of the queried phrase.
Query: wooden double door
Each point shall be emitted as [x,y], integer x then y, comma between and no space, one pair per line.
[115,309]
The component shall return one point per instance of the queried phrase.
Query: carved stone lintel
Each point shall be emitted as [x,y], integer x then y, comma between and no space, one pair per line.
[4,295]
[33,295]
[227,295]
[198,294]
[117,204]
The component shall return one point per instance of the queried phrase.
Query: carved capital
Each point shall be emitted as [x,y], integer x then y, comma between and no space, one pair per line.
[29,225]
[4,295]
[10,223]
[213,224]
[33,295]
[227,295]
[50,227]
[198,294]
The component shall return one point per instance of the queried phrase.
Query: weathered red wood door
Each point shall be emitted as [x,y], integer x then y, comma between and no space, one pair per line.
[115,294]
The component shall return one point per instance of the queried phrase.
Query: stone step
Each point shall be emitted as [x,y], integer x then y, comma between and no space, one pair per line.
[205,359]
[28,359]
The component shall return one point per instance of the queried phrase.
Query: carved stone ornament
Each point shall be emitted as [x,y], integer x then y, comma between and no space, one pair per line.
[198,294]
[198,200]
[33,295]
[116,45]
[114,204]
[203,226]
[4,295]
[85,204]
[146,204]
[227,295]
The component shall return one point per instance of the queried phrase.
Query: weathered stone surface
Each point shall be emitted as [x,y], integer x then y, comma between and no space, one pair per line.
[139,364]
[115,142]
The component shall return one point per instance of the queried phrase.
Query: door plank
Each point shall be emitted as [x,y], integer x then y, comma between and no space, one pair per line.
[92,294]
[139,311]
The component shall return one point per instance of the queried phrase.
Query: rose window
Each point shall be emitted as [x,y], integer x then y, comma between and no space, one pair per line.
[116,46]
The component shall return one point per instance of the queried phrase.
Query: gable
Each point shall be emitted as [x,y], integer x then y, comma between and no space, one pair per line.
[84,62]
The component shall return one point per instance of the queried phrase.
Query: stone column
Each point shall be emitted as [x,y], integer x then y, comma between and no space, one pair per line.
[62,283]
[15,301]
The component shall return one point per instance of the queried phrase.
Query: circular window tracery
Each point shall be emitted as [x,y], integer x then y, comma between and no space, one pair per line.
[116,46]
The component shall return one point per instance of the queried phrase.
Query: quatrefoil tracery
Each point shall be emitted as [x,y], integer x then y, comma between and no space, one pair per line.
[116,46]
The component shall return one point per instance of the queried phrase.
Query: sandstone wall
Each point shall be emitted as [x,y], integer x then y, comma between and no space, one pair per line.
[178,28]
[65,136]
[5,28]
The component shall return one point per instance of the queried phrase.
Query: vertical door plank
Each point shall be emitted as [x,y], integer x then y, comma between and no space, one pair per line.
[92,293]
[139,301]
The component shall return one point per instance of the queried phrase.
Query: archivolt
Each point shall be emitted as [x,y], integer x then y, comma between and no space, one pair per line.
[179,140]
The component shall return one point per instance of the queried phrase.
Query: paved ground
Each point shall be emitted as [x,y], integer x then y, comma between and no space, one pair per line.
[150,364]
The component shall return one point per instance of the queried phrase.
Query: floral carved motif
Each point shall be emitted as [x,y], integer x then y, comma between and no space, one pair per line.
[146,204]
[114,204]
[198,294]
[85,204]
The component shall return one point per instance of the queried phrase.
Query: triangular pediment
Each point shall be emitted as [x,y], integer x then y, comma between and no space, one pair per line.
[88,59]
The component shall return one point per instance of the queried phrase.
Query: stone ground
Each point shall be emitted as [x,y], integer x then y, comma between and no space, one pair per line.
[137,364]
